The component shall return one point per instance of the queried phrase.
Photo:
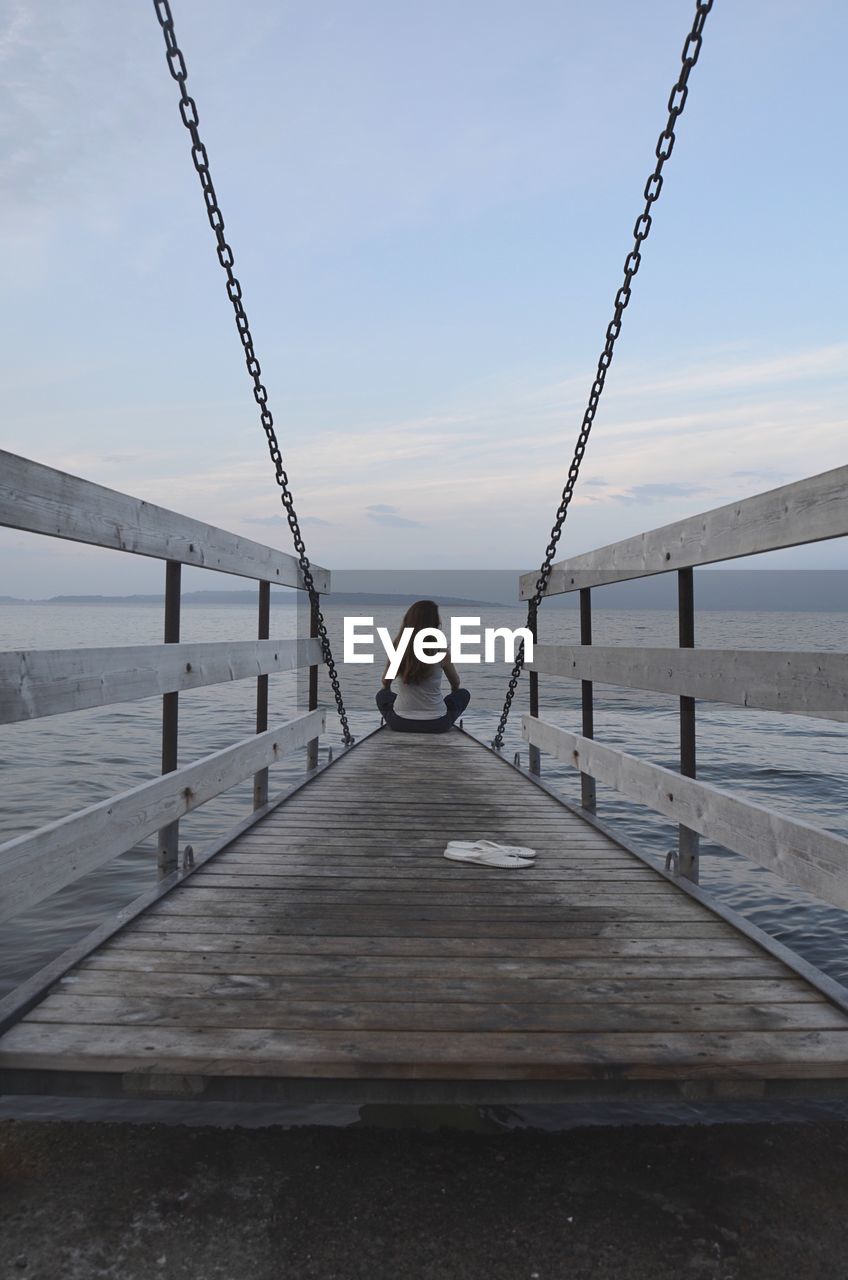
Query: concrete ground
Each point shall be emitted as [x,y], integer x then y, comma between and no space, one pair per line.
[84,1201]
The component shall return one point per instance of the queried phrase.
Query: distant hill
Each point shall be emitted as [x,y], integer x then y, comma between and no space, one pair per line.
[748,590]
[745,590]
[249,597]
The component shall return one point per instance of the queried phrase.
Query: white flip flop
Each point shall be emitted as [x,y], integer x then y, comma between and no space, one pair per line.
[488,858]
[495,856]
[518,850]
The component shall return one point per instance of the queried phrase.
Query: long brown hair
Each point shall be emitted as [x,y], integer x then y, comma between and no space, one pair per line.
[424,613]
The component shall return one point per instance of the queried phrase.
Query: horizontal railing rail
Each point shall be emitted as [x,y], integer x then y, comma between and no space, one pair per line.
[39,499]
[814,859]
[811,510]
[800,683]
[37,864]
[809,684]
[48,682]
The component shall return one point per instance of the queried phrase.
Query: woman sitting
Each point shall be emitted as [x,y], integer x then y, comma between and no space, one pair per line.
[418,705]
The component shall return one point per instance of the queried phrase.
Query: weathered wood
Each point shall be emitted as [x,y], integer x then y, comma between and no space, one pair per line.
[561,877]
[338,1054]
[327,915]
[501,810]
[302,830]
[398,872]
[420,819]
[390,860]
[555,847]
[809,684]
[435,887]
[688,942]
[182,933]
[494,904]
[810,510]
[23,997]
[805,855]
[398,853]
[282,976]
[382,927]
[337,942]
[525,887]
[425,958]
[550,898]
[47,682]
[504,1014]
[37,864]
[40,499]
[486,981]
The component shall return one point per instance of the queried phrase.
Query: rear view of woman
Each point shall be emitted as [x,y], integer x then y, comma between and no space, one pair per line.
[417,705]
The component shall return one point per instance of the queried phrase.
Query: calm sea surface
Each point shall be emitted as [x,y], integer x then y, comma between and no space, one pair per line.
[53,766]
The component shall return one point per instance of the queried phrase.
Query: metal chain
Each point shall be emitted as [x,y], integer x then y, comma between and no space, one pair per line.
[188,112]
[653,187]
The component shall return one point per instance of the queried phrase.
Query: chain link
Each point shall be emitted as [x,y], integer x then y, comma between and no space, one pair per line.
[188,113]
[641,230]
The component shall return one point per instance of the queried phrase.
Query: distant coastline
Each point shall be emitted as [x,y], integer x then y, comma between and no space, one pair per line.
[730,590]
[287,598]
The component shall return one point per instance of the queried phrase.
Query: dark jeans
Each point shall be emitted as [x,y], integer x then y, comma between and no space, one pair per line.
[455,704]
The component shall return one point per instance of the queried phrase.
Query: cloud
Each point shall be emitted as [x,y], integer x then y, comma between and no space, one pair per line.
[488,506]
[266,520]
[642,453]
[68,113]
[725,371]
[382,513]
[764,473]
[98,69]
[280,522]
[659,491]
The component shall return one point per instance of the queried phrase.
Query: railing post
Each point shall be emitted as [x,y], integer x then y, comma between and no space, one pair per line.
[534,754]
[312,747]
[688,842]
[169,836]
[260,779]
[588,791]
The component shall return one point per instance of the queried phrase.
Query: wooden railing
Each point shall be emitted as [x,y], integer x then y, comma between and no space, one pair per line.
[45,682]
[803,683]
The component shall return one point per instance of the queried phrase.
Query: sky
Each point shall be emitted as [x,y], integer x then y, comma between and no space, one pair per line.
[430,206]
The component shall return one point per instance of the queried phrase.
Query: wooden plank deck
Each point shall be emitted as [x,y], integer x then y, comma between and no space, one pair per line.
[333,942]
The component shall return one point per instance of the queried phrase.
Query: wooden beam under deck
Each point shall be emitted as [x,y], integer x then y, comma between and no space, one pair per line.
[332,945]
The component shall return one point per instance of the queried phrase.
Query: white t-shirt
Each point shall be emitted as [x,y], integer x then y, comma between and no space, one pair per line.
[422,701]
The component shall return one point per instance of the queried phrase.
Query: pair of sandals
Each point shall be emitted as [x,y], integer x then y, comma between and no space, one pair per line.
[489,853]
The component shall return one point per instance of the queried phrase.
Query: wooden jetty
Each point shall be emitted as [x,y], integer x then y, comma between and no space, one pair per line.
[326,949]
